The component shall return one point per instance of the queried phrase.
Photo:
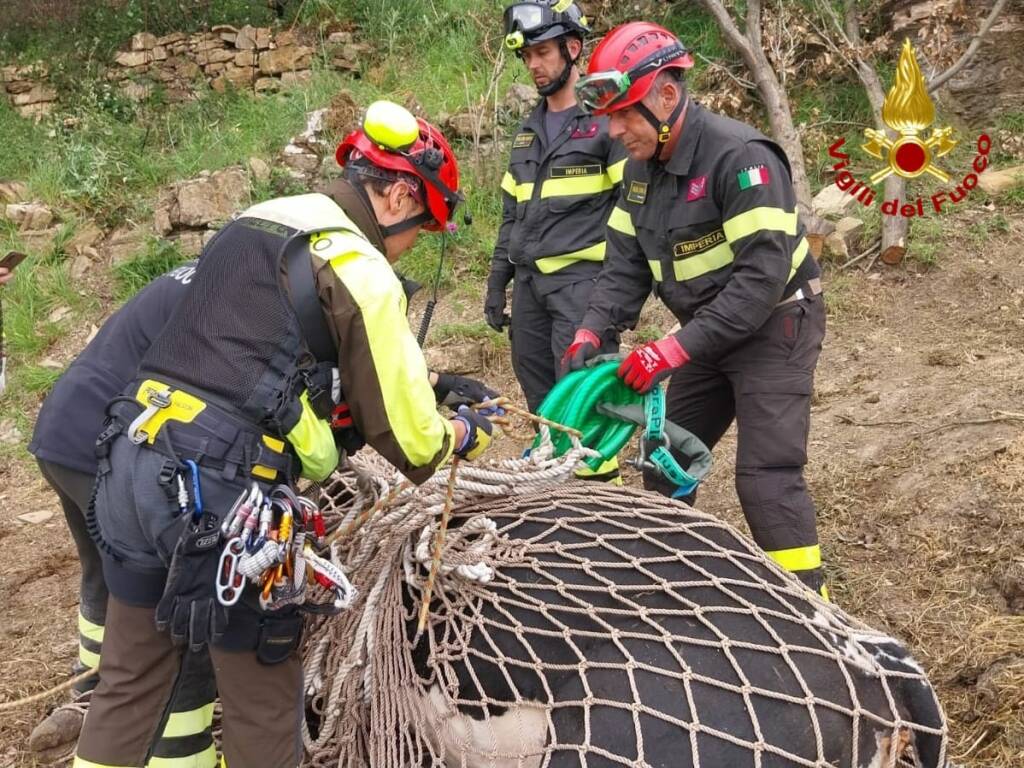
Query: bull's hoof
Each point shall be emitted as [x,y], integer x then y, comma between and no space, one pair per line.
[54,739]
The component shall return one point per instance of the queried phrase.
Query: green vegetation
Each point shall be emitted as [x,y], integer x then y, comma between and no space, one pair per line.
[133,275]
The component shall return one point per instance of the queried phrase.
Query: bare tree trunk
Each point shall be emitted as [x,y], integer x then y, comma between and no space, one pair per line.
[776,102]
[894,228]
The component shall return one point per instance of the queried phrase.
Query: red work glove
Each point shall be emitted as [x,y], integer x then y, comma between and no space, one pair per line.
[584,346]
[649,364]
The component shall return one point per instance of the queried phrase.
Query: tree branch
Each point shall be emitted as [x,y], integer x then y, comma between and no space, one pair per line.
[940,80]
[754,23]
[733,36]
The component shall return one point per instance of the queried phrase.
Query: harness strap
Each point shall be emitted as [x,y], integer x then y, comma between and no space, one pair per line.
[306,301]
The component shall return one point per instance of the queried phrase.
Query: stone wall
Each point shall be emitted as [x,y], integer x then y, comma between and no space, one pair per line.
[28,89]
[249,57]
[257,58]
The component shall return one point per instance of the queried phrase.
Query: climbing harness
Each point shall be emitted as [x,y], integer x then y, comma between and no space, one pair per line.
[607,413]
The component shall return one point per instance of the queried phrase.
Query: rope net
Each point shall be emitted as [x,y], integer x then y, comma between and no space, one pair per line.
[574,624]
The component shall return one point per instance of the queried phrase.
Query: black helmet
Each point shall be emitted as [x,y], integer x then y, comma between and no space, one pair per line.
[532,21]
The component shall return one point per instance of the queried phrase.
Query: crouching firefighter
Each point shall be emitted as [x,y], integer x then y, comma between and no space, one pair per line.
[229,407]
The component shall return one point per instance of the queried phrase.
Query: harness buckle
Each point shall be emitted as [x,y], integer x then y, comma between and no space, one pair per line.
[158,400]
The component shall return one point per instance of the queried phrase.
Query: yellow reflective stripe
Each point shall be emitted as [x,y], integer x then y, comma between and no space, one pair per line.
[523,192]
[398,364]
[576,185]
[615,171]
[655,269]
[612,465]
[550,264]
[188,723]
[757,219]
[83,763]
[799,254]
[798,558]
[89,658]
[336,244]
[205,759]
[621,221]
[702,263]
[313,441]
[90,630]
[508,183]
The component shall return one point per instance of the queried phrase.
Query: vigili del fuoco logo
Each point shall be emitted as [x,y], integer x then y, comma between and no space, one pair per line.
[909,111]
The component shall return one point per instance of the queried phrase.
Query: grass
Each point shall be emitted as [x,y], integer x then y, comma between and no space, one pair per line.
[133,275]
[926,240]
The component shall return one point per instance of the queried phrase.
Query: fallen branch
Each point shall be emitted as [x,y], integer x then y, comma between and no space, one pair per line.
[1000,417]
[873,249]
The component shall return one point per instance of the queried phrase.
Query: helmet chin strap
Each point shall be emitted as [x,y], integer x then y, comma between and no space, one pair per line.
[556,85]
[413,221]
[663,127]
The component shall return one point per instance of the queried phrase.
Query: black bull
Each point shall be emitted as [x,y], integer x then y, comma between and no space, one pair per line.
[634,631]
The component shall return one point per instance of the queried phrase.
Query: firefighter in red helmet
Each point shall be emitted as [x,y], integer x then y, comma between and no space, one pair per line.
[708,220]
[290,346]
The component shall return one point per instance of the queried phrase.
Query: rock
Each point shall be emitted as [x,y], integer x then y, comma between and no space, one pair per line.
[37,94]
[835,248]
[245,38]
[832,201]
[259,169]
[136,91]
[342,115]
[29,215]
[520,99]
[133,58]
[339,38]
[293,78]
[83,263]
[213,57]
[58,314]
[124,244]
[1011,584]
[190,242]
[467,357]
[86,236]
[212,199]
[301,159]
[160,53]
[996,182]
[36,111]
[286,59]
[267,85]
[35,518]
[850,229]
[40,240]
[246,59]
[171,39]
[143,41]
[13,191]
[464,126]
[9,433]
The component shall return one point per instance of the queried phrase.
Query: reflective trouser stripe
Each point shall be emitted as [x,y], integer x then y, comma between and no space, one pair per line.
[607,468]
[797,558]
[205,759]
[188,723]
[90,641]
[550,264]
[80,763]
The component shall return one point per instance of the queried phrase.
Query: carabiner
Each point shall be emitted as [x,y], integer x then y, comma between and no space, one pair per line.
[230,583]
[197,496]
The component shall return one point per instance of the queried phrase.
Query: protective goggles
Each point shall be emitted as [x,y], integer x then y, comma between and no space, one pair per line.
[602,90]
[524,18]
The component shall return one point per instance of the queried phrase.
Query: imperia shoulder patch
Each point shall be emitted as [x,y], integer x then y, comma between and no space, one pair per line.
[637,192]
[523,140]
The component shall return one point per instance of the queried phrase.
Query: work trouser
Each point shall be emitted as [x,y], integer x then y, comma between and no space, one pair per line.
[74,489]
[140,669]
[765,384]
[189,735]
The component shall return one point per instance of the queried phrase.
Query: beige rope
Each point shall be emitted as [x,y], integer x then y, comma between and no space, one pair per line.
[8,705]
[438,549]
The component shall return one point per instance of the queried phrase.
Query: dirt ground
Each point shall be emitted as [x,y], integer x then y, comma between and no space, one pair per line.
[917,466]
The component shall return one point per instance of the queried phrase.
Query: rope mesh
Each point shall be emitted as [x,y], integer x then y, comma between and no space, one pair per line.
[577,624]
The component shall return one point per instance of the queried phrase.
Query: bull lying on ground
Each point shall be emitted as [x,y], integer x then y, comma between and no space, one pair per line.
[624,629]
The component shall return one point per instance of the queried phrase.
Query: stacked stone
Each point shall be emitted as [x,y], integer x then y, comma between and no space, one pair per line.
[28,89]
[248,57]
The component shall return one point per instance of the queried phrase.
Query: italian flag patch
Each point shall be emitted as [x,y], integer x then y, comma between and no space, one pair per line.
[754,176]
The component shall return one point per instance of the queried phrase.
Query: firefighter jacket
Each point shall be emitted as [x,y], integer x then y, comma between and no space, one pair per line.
[556,195]
[235,337]
[714,230]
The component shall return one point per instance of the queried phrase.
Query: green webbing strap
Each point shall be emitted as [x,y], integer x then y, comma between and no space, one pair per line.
[596,402]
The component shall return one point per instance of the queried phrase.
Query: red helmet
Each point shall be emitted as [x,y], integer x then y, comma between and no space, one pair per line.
[428,157]
[625,63]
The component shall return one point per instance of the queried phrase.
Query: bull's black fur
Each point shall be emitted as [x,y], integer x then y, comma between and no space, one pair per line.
[678,597]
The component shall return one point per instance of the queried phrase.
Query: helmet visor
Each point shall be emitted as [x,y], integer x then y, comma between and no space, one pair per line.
[602,89]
